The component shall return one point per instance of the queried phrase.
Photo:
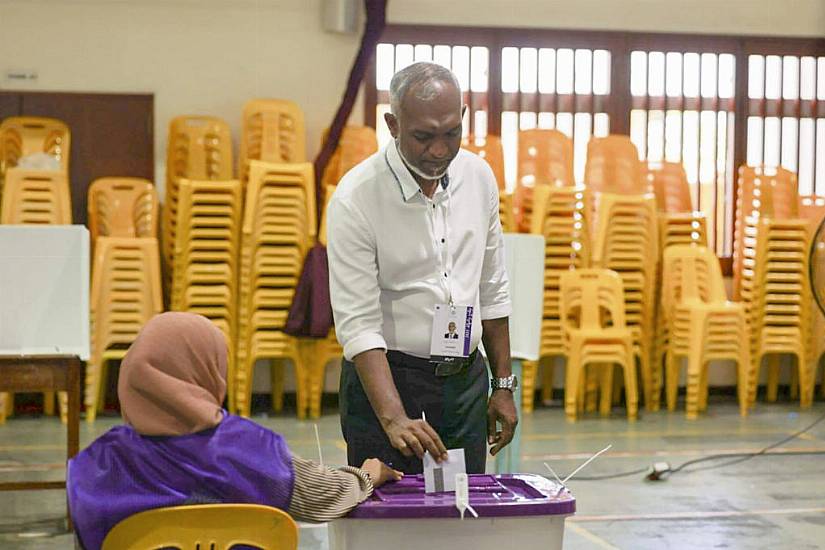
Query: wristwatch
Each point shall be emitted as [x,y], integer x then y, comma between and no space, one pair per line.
[506,383]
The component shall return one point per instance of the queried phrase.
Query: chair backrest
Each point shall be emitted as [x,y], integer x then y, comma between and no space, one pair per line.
[292,177]
[613,166]
[208,527]
[489,148]
[357,143]
[22,136]
[670,185]
[545,157]
[199,147]
[592,293]
[33,197]
[273,131]
[123,207]
[691,272]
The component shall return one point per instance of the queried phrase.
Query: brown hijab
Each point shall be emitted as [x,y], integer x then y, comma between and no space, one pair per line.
[173,378]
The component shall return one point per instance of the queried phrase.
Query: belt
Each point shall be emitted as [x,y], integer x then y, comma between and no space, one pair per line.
[440,369]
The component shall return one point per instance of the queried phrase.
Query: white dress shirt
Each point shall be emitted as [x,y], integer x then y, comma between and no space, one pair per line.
[395,253]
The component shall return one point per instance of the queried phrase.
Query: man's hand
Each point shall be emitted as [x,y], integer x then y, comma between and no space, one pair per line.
[413,437]
[501,407]
[379,472]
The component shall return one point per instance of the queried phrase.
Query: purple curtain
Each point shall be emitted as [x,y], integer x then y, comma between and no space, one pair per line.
[311,312]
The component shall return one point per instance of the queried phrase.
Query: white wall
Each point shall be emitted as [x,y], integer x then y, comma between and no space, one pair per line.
[199,57]
[768,17]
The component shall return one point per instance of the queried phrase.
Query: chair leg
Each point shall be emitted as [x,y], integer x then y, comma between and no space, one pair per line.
[63,406]
[547,368]
[315,361]
[742,384]
[92,389]
[528,386]
[48,403]
[606,392]
[243,391]
[572,384]
[672,379]
[806,381]
[4,397]
[631,389]
[277,373]
[703,387]
[773,378]
[591,377]
[694,382]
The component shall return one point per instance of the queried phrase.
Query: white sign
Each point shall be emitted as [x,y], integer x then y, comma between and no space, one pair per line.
[44,290]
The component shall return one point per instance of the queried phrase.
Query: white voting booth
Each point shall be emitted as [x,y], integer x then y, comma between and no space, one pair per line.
[524,261]
[44,290]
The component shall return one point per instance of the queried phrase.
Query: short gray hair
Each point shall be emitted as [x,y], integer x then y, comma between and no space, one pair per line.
[419,76]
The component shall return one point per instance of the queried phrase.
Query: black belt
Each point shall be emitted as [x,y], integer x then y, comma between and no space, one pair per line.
[440,368]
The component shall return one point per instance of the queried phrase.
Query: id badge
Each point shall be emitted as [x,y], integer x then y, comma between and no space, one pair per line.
[452,333]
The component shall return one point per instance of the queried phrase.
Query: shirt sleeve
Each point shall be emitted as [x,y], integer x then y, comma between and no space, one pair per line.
[322,494]
[494,291]
[353,279]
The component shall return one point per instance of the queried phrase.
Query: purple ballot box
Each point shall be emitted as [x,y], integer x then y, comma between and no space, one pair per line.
[523,511]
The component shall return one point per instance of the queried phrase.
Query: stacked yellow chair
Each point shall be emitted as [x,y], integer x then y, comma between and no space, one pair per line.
[198,148]
[625,227]
[273,131]
[125,294]
[679,224]
[357,143]
[119,208]
[32,197]
[774,281]
[545,157]
[704,325]
[489,148]
[278,229]
[560,215]
[206,256]
[24,136]
[595,333]
[812,209]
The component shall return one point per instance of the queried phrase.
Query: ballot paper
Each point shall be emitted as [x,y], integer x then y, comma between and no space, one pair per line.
[440,478]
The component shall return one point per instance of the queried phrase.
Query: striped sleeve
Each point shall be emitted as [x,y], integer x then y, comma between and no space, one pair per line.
[322,494]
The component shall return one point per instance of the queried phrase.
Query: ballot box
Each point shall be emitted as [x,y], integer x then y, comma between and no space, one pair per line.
[518,511]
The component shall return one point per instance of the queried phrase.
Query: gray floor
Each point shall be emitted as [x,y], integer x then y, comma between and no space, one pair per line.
[768,502]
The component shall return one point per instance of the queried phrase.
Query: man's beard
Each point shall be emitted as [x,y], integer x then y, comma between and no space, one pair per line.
[417,171]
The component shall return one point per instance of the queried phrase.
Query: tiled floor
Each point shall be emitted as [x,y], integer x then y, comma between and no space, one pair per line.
[766,502]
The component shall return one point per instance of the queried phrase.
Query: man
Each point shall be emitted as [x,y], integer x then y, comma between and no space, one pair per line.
[414,241]
[451,333]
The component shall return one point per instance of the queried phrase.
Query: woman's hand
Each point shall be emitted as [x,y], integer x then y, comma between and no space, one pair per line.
[379,472]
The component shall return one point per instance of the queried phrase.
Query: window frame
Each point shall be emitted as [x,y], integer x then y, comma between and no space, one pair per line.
[620,44]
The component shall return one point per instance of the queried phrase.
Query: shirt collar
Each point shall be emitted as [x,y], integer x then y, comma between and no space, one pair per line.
[405,179]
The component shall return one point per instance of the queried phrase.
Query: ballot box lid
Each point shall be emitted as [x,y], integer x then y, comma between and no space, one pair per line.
[490,496]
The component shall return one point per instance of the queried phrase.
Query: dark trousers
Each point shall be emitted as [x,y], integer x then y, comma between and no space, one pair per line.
[456,408]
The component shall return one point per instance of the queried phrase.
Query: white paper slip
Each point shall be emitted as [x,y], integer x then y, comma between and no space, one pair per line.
[440,478]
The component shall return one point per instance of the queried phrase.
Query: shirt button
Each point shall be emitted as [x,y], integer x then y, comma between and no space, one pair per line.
[445,275]
[442,240]
[433,207]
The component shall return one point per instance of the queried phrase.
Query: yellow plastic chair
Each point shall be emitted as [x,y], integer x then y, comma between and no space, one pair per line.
[212,527]
[593,317]
[273,131]
[668,182]
[122,207]
[489,148]
[357,143]
[24,136]
[613,166]
[704,325]
[506,212]
[545,157]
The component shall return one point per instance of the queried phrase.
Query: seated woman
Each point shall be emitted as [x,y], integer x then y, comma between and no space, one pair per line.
[180,447]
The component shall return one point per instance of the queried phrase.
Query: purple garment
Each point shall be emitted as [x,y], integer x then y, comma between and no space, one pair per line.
[123,473]
[311,311]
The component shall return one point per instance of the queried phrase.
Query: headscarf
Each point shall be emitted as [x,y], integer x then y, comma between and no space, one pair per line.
[173,378]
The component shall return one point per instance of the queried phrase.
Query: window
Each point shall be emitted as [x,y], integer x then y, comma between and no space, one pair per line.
[712,103]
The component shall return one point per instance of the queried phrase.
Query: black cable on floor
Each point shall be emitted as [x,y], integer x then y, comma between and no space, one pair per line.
[737,458]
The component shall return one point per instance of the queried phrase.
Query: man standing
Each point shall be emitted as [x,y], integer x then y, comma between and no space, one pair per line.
[414,243]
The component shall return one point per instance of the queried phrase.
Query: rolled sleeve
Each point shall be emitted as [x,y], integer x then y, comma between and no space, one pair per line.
[494,290]
[353,279]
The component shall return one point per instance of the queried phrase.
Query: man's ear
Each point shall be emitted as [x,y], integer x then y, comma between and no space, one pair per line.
[392,124]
